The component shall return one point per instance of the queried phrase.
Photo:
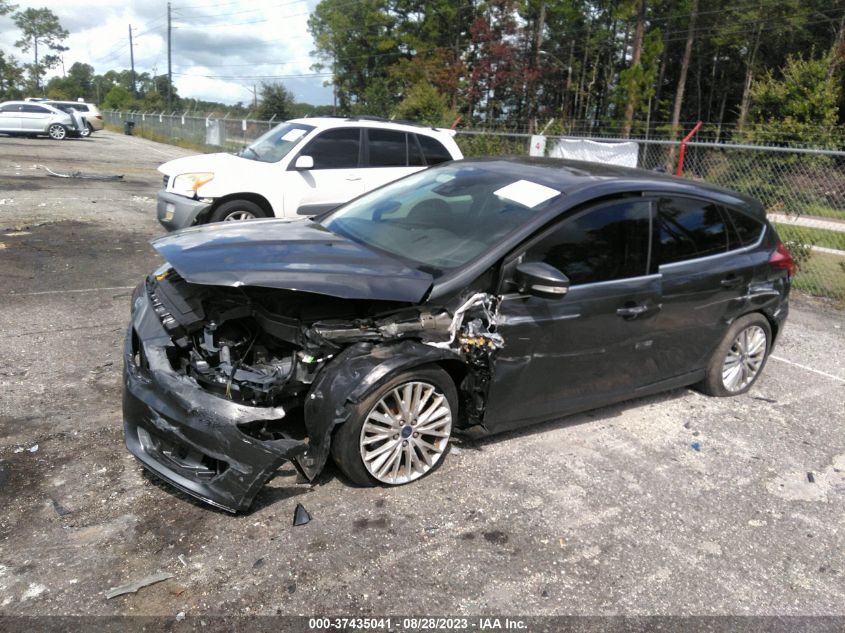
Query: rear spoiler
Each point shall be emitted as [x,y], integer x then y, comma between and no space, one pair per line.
[447,131]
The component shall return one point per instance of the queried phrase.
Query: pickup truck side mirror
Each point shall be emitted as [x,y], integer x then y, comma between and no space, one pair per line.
[304,162]
[539,279]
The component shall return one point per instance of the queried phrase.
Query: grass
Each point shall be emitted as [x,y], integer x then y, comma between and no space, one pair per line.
[167,140]
[821,211]
[807,235]
[822,275]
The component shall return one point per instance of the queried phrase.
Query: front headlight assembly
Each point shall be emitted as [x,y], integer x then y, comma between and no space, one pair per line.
[187,184]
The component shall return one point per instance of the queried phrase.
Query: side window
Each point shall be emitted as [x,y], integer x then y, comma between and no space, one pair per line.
[433,150]
[746,228]
[388,148]
[335,149]
[34,108]
[10,107]
[689,229]
[602,244]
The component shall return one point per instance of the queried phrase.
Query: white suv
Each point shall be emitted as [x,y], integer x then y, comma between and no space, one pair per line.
[301,167]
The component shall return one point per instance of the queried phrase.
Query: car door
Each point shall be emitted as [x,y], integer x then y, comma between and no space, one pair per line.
[705,274]
[596,343]
[34,118]
[336,177]
[391,154]
[10,120]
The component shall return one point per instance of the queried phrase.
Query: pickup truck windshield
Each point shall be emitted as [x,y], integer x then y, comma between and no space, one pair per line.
[275,144]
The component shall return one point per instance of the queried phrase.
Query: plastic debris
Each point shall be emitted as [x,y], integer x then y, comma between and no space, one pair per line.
[300,515]
[60,509]
[811,478]
[182,560]
[33,448]
[79,175]
[180,616]
[696,446]
[133,587]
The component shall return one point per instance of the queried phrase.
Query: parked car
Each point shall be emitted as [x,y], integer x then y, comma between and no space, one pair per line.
[30,118]
[93,117]
[481,294]
[299,168]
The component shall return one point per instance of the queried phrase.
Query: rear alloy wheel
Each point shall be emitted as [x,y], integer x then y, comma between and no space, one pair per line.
[237,211]
[738,361]
[401,432]
[57,132]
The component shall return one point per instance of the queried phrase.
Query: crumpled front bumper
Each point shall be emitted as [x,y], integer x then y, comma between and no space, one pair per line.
[187,436]
[178,212]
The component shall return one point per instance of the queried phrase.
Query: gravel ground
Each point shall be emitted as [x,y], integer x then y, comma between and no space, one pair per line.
[610,512]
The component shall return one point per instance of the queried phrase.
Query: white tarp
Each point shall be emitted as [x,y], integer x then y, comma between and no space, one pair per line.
[623,154]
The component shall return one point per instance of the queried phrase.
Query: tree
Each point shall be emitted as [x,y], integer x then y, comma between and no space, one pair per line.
[425,104]
[801,105]
[682,82]
[40,26]
[118,98]
[639,37]
[11,77]
[275,100]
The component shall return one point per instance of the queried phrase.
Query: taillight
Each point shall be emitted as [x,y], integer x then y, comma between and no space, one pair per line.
[99,116]
[782,259]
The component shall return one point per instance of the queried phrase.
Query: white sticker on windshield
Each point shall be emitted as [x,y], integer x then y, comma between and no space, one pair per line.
[528,194]
[293,135]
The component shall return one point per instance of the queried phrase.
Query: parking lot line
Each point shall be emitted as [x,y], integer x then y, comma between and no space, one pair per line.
[815,371]
[59,292]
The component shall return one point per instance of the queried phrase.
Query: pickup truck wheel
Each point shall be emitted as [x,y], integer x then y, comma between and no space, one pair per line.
[401,431]
[57,132]
[237,210]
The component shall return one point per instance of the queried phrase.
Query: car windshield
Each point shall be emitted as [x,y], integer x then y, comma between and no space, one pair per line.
[442,218]
[275,144]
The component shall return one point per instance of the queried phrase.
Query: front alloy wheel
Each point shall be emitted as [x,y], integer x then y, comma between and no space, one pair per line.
[85,131]
[400,432]
[57,132]
[406,433]
[238,215]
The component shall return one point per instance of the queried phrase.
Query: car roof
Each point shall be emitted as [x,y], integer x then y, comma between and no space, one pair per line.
[45,104]
[367,121]
[594,180]
[68,102]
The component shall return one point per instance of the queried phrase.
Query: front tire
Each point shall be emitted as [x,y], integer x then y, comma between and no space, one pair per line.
[739,359]
[86,130]
[400,432]
[57,132]
[236,211]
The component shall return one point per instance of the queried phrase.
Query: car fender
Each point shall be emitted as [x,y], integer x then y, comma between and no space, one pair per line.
[349,378]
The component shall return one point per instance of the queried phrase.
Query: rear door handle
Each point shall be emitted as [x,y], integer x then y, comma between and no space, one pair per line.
[730,281]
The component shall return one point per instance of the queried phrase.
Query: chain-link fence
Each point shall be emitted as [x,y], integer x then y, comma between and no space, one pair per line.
[803,190]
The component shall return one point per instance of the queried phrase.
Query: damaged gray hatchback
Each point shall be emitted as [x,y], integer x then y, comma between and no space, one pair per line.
[480,295]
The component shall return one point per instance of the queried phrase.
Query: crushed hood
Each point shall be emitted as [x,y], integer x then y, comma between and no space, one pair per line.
[298,255]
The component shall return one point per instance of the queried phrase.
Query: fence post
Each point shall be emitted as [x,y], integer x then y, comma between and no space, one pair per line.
[683,150]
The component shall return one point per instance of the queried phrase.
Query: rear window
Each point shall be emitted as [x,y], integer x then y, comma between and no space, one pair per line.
[388,148]
[34,108]
[690,229]
[747,229]
[433,150]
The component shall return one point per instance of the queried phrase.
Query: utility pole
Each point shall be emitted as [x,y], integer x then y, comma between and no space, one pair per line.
[538,44]
[169,67]
[132,61]
[334,84]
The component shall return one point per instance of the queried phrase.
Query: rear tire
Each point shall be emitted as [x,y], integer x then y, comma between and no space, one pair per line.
[57,132]
[424,441]
[739,359]
[236,211]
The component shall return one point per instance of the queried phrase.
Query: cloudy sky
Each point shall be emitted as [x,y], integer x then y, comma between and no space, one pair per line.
[220,49]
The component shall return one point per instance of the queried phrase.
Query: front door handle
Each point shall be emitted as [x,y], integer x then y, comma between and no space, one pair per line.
[730,281]
[353,177]
[631,311]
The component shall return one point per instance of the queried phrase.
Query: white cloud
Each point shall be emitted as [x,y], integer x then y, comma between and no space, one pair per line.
[219,49]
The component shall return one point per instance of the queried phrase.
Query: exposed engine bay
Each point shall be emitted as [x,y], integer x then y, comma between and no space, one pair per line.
[265,347]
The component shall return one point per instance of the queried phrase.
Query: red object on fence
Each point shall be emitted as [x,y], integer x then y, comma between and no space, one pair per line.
[683,151]
[458,120]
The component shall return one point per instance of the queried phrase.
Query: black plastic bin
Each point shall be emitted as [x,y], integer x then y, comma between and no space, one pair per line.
[128,126]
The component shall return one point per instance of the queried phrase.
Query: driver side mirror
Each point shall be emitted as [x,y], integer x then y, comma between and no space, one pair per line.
[304,162]
[539,279]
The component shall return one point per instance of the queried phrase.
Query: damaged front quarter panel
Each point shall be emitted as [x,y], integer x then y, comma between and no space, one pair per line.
[222,387]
